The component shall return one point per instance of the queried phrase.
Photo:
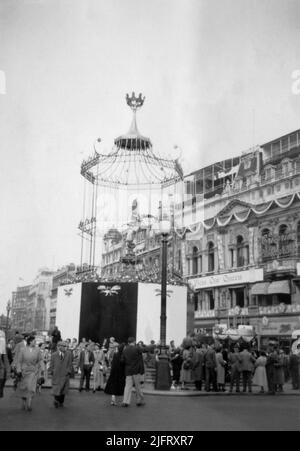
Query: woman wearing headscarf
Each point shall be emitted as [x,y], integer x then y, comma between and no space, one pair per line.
[29,370]
[4,363]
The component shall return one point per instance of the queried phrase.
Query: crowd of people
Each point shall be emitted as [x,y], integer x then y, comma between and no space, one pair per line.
[214,365]
[116,368]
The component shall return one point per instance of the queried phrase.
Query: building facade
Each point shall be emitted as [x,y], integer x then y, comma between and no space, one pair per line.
[235,240]
[243,264]
[37,316]
[20,301]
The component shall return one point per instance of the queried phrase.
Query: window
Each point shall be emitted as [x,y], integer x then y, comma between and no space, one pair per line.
[199,186]
[240,297]
[275,148]
[283,240]
[266,240]
[200,301]
[285,168]
[211,300]
[285,144]
[195,302]
[293,140]
[211,256]
[268,173]
[231,258]
[298,238]
[240,251]
[188,187]
[247,255]
[195,261]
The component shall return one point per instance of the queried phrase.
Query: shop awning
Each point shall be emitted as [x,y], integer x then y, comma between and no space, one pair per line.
[260,288]
[279,287]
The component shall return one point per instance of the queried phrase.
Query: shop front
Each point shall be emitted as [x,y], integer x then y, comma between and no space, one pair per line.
[225,291]
[278,330]
[272,293]
[219,296]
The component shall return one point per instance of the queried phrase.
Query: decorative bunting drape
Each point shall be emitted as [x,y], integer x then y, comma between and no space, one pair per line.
[284,202]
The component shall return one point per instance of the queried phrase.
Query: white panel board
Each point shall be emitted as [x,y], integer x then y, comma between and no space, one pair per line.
[68,310]
[148,313]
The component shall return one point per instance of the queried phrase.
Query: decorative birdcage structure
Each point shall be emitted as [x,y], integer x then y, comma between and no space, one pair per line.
[127,186]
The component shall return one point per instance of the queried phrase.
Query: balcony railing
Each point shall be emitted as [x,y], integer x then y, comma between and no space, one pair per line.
[280,174]
[275,247]
[281,309]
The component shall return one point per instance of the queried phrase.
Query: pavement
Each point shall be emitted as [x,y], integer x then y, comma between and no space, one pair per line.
[93,412]
[149,390]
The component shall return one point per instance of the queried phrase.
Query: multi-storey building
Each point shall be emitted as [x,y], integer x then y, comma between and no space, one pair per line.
[244,263]
[20,299]
[236,241]
[4,322]
[37,317]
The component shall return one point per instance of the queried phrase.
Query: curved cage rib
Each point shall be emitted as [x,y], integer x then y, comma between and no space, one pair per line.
[132,161]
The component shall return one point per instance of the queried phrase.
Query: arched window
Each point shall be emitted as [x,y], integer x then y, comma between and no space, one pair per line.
[283,229]
[266,241]
[283,247]
[240,250]
[195,260]
[298,238]
[211,256]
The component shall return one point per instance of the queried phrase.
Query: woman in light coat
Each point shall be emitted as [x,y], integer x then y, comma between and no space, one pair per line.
[29,370]
[187,367]
[220,370]
[99,368]
[260,375]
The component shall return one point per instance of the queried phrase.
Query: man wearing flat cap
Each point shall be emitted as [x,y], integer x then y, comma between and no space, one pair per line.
[61,369]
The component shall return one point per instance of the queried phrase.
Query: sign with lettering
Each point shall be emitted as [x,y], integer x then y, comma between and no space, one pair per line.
[279,326]
[232,278]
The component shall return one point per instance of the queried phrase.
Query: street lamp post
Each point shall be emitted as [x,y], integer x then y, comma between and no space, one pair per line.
[163,375]
[163,304]
[8,309]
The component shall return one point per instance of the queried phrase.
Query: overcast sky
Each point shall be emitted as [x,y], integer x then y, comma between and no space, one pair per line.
[217,76]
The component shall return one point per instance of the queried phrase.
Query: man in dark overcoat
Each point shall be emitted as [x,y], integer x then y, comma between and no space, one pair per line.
[61,369]
[272,361]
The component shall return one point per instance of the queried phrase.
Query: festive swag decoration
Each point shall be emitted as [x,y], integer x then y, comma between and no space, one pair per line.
[259,210]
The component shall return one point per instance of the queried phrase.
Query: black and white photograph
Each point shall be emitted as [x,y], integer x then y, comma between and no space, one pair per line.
[150,218]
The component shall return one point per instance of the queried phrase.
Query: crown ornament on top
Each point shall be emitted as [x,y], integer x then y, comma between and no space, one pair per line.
[135,102]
